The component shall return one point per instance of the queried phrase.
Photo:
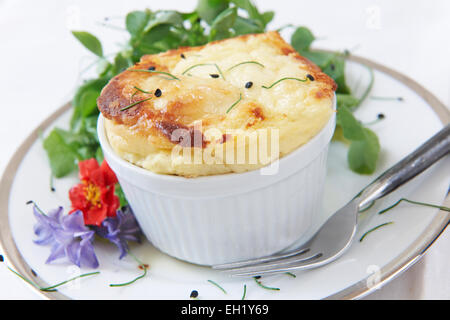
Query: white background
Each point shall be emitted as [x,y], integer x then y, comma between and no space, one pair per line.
[41,64]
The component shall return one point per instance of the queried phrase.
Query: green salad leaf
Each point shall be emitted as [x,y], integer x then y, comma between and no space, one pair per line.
[62,158]
[221,26]
[363,153]
[89,41]
[136,21]
[208,10]
[302,39]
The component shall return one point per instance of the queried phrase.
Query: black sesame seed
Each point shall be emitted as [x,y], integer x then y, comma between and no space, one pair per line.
[248,85]
[257,277]
[183,56]
[158,93]
[400,99]
[214,75]
[310,77]
[194,294]
[33,272]
[1,258]
[152,68]
[29,202]
[381,116]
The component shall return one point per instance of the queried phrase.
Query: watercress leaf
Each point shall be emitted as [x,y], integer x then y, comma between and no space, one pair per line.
[251,9]
[89,41]
[121,63]
[88,103]
[69,138]
[90,128]
[352,128]
[99,155]
[267,17]
[220,28]
[347,100]
[156,34]
[195,35]
[62,158]
[246,26]
[104,68]
[363,154]
[78,101]
[321,59]
[190,16]
[168,17]
[336,70]
[121,195]
[84,141]
[339,135]
[208,10]
[172,41]
[136,21]
[302,38]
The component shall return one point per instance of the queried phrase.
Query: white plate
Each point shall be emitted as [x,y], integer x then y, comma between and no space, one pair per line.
[367,265]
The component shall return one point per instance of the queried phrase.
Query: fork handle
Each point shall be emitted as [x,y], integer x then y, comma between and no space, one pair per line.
[423,157]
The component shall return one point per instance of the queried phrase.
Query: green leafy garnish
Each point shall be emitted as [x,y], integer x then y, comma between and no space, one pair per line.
[90,42]
[136,21]
[121,195]
[221,26]
[84,102]
[363,154]
[302,39]
[62,157]
[208,10]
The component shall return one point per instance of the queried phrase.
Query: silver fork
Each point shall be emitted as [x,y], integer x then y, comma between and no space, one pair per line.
[338,233]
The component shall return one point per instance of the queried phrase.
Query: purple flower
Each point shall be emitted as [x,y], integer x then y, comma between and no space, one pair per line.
[67,235]
[120,229]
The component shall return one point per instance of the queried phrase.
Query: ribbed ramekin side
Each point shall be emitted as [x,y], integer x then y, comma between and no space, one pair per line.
[216,230]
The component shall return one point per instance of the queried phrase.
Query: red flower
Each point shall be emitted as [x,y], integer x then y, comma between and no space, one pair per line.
[94,196]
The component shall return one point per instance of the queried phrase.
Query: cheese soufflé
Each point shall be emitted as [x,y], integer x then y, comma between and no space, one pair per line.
[215,109]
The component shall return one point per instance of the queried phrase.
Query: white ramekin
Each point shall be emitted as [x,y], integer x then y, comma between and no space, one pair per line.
[231,217]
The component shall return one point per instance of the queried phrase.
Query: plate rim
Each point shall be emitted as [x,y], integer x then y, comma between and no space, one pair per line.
[394,268]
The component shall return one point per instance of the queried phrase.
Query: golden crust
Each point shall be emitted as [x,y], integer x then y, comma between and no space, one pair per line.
[199,96]
[120,91]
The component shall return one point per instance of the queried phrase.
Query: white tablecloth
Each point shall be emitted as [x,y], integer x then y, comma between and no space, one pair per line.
[40,65]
